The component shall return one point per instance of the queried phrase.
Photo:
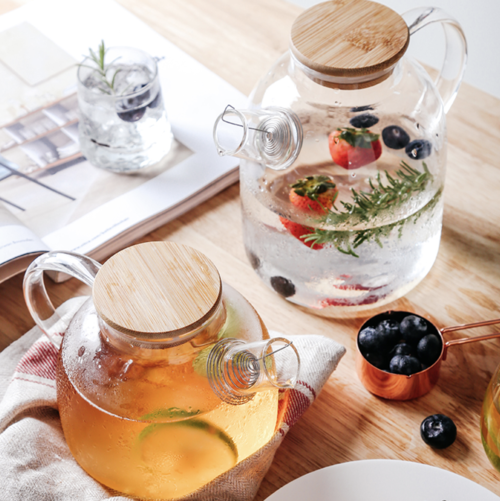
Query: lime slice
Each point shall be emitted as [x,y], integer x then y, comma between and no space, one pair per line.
[200,362]
[232,324]
[172,413]
[186,454]
[230,328]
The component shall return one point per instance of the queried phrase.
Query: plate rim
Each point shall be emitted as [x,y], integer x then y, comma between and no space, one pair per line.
[403,463]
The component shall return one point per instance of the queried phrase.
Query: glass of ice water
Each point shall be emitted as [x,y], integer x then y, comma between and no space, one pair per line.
[123,125]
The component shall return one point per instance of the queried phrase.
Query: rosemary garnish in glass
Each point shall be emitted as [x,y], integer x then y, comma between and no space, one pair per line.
[102,68]
[367,206]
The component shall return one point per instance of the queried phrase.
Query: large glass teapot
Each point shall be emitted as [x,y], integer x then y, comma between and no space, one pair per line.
[166,377]
[343,154]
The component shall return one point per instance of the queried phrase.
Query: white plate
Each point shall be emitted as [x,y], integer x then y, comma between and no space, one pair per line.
[382,480]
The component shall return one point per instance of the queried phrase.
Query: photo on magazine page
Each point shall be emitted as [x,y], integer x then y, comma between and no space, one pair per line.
[45,180]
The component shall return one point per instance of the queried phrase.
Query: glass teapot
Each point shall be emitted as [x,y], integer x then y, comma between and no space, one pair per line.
[343,152]
[166,377]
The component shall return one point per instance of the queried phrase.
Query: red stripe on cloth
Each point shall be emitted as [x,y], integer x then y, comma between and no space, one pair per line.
[40,360]
[309,387]
[36,382]
[297,406]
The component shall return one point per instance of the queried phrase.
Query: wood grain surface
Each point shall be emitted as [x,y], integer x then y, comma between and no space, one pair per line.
[239,40]
[157,290]
[349,37]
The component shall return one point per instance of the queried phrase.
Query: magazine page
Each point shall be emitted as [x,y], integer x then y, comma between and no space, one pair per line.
[64,200]
[18,244]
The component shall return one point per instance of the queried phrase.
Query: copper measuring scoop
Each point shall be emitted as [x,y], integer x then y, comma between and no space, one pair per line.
[399,386]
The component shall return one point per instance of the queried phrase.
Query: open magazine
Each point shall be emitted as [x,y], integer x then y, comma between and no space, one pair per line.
[50,196]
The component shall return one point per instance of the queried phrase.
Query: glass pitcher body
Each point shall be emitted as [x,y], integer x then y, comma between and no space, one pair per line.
[145,421]
[166,377]
[344,158]
[359,255]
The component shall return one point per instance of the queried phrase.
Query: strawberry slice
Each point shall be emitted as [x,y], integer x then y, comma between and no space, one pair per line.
[314,193]
[298,230]
[310,194]
[353,148]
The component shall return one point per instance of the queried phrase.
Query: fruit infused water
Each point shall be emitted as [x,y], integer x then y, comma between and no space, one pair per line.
[355,222]
[146,422]
[343,148]
[123,124]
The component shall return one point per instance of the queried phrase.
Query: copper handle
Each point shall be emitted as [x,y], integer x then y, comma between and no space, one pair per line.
[466,340]
[470,326]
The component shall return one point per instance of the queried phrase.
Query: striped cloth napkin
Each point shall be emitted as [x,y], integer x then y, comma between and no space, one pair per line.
[36,464]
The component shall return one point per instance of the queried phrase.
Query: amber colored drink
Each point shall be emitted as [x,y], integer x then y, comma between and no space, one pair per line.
[490,422]
[152,427]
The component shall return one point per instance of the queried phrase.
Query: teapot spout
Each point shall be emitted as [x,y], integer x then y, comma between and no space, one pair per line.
[271,136]
[237,370]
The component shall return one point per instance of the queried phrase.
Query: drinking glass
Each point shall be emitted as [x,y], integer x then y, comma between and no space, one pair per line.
[123,124]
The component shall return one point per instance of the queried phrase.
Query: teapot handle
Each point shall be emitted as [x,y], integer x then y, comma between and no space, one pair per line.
[35,294]
[451,74]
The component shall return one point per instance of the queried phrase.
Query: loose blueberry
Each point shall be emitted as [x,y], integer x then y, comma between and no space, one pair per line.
[429,349]
[438,431]
[361,108]
[379,360]
[404,364]
[389,330]
[283,286]
[364,121]
[254,260]
[395,137]
[413,329]
[418,149]
[402,349]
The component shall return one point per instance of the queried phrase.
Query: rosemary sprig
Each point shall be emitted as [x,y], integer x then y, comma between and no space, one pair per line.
[369,205]
[101,67]
[366,206]
[347,241]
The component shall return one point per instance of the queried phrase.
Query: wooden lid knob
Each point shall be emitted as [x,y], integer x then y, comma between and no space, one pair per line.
[157,290]
[349,38]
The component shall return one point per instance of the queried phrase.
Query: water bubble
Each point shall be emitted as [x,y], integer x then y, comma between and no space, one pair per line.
[353,174]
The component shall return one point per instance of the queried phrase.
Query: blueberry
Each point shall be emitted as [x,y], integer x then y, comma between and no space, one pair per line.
[395,137]
[403,349]
[132,109]
[413,329]
[429,349]
[379,360]
[133,115]
[363,121]
[156,101]
[369,341]
[361,108]
[404,364]
[283,286]
[438,431]
[418,149]
[389,330]
[254,260]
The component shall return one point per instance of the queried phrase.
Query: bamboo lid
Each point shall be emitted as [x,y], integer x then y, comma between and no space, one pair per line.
[349,38]
[157,290]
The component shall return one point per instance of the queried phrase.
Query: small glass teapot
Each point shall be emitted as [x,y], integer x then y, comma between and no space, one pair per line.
[343,152]
[166,377]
